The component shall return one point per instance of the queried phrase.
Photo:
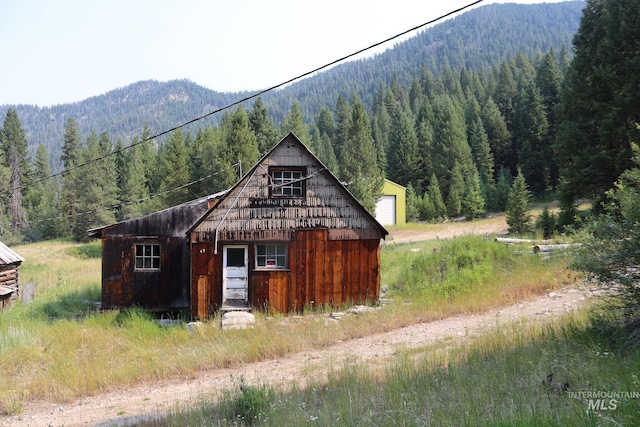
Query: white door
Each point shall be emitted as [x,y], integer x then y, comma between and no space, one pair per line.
[386,210]
[235,273]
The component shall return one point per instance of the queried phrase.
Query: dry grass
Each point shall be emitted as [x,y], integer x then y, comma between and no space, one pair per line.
[59,348]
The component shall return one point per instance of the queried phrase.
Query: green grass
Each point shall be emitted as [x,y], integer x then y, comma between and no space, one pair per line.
[500,378]
[60,348]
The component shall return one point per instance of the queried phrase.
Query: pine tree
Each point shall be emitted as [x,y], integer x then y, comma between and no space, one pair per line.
[610,254]
[600,106]
[424,133]
[454,202]
[70,159]
[481,150]
[294,122]
[343,123]
[96,202]
[413,204]
[42,201]
[323,146]
[262,126]
[324,150]
[380,127]
[240,142]
[518,217]
[531,132]
[505,94]
[360,168]
[435,195]
[498,134]
[403,166]
[546,223]
[449,143]
[427,208]
[174,170]
[13,143]
[473,200]
[549,80]
[134,193]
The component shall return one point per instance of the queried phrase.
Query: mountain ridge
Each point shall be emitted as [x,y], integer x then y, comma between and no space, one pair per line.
[475,40]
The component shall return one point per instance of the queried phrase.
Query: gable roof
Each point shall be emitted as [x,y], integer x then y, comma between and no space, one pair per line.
[292,138]
[7,256]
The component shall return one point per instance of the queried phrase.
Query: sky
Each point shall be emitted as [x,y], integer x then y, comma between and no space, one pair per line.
[63,51]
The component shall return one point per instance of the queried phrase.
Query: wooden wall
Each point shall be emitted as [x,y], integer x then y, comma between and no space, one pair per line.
[164,290]
[321,271]
[9,280]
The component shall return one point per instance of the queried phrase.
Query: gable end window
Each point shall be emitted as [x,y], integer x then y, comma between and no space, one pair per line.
[287,182]
[271,255]
[148,256]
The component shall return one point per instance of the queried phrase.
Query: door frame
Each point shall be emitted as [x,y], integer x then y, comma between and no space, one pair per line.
[245,271]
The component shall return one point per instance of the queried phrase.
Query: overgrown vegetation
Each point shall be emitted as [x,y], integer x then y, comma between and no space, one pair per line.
[610,254]
[60,347]
[520,374]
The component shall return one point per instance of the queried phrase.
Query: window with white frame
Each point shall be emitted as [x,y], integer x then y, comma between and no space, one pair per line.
[148,256]
[271,255]
[287,183]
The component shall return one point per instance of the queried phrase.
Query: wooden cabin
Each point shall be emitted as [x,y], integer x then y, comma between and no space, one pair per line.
[9,266]
[287,236]
[145,260]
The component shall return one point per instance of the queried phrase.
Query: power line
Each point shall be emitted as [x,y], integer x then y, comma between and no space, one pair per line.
[130,202]
[255,95]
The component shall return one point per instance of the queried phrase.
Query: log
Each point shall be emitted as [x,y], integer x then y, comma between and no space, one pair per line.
[513,241]
[549,248]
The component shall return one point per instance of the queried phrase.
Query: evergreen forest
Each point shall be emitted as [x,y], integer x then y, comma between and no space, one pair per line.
[543,95]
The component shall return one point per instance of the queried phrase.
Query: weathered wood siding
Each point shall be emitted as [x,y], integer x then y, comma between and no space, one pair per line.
[333,242]
[248,213]
[164,290]
[333,272]
[123,286]
[9,289]
[321,271]
[206,280]
[9,276]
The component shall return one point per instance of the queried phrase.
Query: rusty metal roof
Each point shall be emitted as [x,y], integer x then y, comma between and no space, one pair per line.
[7,256]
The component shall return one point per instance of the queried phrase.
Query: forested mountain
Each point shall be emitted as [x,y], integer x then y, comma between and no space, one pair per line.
[462,115]
[476,40]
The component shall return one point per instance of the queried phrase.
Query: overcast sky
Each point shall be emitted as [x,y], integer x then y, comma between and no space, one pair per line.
[60,51]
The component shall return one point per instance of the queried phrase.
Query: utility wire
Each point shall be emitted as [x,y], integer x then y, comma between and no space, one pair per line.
[259,93]
[130,202]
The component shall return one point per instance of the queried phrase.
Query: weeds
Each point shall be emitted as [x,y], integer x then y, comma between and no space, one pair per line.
[519,374]
[59,347]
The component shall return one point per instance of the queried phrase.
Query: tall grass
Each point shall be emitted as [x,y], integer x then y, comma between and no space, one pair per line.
[59,347]
[468,274]
[517,375]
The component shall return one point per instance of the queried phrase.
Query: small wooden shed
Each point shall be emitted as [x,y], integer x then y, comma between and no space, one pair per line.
[9,265]
[288,235]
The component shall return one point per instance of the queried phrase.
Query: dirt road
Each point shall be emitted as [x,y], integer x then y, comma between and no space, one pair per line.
[116,408]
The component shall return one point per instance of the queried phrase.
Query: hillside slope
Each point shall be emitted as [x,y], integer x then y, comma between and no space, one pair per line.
[476,40]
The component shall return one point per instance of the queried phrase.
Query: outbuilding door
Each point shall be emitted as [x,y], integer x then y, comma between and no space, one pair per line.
[235,275]
[386,210]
